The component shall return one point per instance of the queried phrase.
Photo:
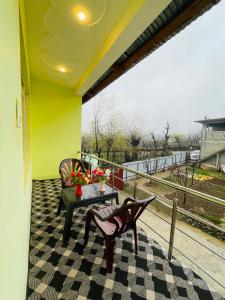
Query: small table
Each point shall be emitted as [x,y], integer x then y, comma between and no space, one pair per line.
[91,195]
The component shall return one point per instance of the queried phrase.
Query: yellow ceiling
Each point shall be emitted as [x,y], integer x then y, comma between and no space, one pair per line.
[75,52]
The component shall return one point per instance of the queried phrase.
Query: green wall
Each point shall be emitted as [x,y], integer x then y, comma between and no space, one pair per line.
[55,127]
[14,200]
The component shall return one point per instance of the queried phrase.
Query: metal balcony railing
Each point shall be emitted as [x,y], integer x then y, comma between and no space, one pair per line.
[175,208]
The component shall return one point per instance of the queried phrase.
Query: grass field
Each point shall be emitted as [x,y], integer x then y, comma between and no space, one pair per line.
[214,174]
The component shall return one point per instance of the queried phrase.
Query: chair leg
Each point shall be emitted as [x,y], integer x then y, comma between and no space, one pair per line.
[109,245]
[87,227]
[135,239]
[61,205]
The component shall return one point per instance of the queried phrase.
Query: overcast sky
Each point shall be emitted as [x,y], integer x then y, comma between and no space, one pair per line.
[182,81]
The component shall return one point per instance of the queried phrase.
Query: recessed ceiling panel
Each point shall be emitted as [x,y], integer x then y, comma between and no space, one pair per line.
[86,12]
[63,27]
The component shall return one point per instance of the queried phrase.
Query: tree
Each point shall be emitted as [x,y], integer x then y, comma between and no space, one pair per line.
[184,176]
[166,140]
[133,136]
[86,143]
[134,139]
[100,112]
[151,166]
[177,139]
[109,136]
[97,132]
[194,139]
[154,144]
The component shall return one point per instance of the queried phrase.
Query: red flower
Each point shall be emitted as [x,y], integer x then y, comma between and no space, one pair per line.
[95,171]
[79,174]
[72,174]
[100,173]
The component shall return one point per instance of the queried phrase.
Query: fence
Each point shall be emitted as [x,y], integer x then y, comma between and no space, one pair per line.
[153,165]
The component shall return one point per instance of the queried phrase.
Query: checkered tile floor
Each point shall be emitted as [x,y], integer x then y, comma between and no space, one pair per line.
[56,272]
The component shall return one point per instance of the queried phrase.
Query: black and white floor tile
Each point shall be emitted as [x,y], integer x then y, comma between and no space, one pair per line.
[74,272]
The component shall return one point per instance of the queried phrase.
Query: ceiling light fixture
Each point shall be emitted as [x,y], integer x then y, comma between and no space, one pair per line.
[69,22]
[62,69]
[81,16]
[52,62]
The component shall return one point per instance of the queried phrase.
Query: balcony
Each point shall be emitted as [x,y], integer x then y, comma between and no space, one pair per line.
[72,272]
[54,59]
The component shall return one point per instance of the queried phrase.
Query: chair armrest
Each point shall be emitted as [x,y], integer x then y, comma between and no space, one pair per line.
[133,200]
[128,200]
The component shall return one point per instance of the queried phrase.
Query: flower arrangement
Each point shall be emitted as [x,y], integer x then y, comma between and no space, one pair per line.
[103,175]
[82,178]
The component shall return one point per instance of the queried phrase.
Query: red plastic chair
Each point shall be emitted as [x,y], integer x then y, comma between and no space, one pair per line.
[113,220]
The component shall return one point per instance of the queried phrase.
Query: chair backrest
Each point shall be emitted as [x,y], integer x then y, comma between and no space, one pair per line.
[66,167]
[129,213]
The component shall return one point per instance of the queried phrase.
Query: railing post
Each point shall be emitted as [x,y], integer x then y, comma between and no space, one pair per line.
[113,170]
[135,189]
[172,230]
[137,171]
[90,168]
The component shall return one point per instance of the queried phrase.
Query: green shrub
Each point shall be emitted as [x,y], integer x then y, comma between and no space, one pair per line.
[211,217]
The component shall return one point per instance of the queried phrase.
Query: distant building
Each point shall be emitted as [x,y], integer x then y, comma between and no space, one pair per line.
[213,142]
